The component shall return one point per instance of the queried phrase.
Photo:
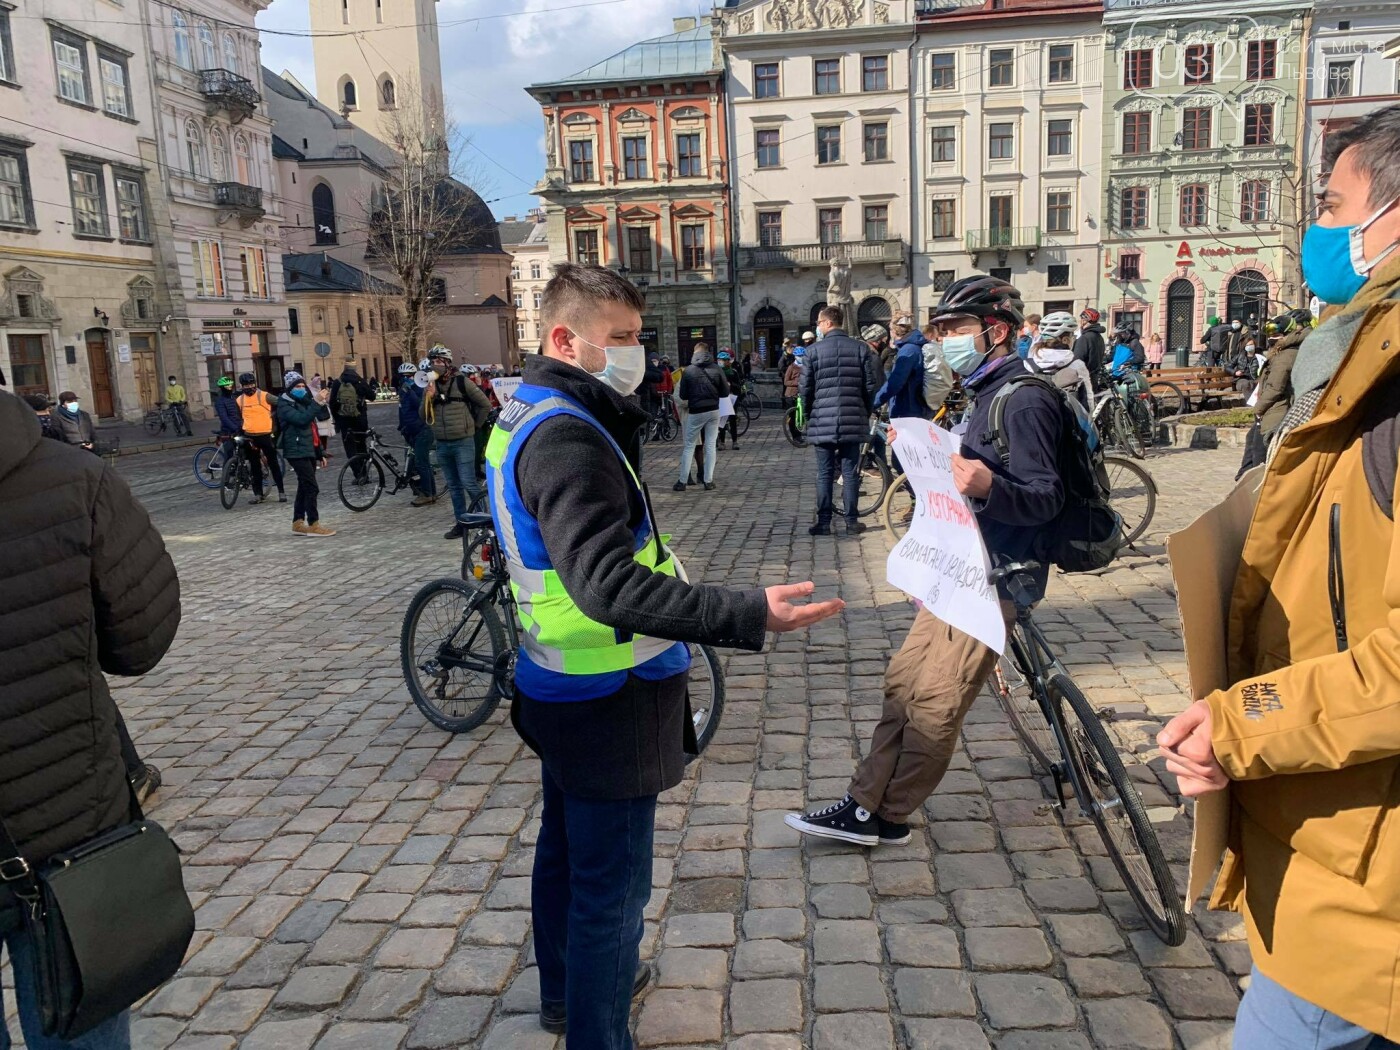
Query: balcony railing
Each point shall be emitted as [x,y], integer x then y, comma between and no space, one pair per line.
[796,256]
[244,201]
[1003,238]
[228,91]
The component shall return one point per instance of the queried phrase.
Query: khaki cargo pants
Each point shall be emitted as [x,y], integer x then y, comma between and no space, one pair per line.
[929,686]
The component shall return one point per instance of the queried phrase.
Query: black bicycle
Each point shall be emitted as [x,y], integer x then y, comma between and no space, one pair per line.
[364,478]
[237,475]
[459,641]
[1066,737]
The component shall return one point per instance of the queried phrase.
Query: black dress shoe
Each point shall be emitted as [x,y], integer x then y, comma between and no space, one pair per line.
[855,528]
[678,487]
[554,1018]
[819,530]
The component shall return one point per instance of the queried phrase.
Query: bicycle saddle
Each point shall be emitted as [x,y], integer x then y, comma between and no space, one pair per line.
[476,521]
[1014,568]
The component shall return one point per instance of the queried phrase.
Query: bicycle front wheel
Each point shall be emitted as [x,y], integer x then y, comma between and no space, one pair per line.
[1133,494]
[362,492]
[1019,699]
[451,647]
[741,423]
[897,512]
[706,689]
[1171,400]
[153,422]
[1125,434]
[208,468]
[873,474]
[1118,813]
[232,481]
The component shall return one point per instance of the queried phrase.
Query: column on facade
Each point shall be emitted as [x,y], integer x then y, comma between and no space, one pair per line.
[613,233]
[607,144]
[663,142]
[720,228]
[665,249]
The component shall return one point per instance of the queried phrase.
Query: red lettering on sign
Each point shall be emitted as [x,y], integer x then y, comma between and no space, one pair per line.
[944,507]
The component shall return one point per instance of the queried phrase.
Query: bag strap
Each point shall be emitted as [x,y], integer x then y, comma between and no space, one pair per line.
[996,416]
[13,867]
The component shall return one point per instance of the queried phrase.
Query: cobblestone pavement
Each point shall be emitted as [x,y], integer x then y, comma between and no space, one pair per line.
[361,878]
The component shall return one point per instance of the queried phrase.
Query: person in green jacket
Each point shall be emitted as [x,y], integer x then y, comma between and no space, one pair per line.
[298,411]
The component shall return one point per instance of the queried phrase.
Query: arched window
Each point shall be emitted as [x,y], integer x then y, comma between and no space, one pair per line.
[1247,298]
[242,160]
[815,314]
[208,54]
[323,214]
[1181,314]
[231,62]
[184,52]
[194,148]
[386,94]
[347,94]
[218,153]
[873,310]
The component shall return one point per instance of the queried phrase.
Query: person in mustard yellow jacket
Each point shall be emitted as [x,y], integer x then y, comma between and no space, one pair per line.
[1308,738]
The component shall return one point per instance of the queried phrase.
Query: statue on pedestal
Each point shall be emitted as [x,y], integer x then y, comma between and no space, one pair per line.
[838,290]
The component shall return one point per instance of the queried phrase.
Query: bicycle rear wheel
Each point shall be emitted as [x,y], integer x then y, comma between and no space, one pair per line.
[897,512]
[1133,494]
[1171,399]
[1118,813]
[451,647]
[753,405]
[232,481]
[873,474]
[1022,706]
[706,688]
[208,467]
[361,493]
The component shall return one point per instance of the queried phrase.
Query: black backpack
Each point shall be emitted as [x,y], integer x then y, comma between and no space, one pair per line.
[1088,533]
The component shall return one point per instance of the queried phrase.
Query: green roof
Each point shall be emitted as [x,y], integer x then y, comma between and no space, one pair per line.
[687,53]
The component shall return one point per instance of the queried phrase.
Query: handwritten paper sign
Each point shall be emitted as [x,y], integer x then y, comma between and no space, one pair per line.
[504,387]
[941,560]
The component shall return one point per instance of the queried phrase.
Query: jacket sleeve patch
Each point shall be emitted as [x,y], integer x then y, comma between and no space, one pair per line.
[1259,699]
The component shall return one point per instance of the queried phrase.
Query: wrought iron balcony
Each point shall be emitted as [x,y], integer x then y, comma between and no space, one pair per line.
[1004,238]
[244,201]
[230,92]
[799,256]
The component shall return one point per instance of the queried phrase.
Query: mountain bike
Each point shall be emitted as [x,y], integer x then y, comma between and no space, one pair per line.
[166,417]
[209,462]
[795,425]
[661,425]
[363,478]
[238,475]
[460,638]
[1123,420]
[1065,736]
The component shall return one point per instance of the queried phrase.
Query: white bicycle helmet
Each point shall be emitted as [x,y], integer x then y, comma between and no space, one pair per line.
[407,369]
[1052,326]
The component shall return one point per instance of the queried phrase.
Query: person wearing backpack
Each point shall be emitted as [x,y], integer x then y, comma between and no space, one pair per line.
[903,389]
[349,404]
[1015,489]
[453,408]
[1307,737]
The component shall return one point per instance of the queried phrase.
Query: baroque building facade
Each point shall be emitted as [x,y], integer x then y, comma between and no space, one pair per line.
[1204,197]
[526,240]
[637,179]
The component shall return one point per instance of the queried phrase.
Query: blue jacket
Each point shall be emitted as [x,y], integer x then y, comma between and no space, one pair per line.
[410,405]
[1123,355]
[904,387]
[230,415]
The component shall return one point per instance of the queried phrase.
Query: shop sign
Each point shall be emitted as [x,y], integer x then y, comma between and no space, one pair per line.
[208,345]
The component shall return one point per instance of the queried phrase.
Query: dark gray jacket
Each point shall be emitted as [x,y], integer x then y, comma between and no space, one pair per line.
[839,386]
[76,430]
[702,386]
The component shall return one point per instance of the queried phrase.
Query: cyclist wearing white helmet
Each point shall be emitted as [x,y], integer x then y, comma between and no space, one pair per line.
[1052,355]
[416,432]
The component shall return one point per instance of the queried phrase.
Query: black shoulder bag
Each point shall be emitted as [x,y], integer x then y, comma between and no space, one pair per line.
[109,919]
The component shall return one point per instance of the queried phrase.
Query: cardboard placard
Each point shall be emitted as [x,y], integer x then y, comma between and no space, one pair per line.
[504,387]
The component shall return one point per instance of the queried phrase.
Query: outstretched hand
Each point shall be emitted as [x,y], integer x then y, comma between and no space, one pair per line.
[785,616]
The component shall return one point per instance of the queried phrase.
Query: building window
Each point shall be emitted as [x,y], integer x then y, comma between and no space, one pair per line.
[536,272]
[253,262]
[131,208]
[877,142]
[242,160]
[518,300]
[999,215]
[943,279]
[1254,200]
[634,158]
[943,68]
[194,148]
[1261,60]
[1137,132]
[828,76]
[875,73]
[208,269]
[943,145]
[1062,63]
[1195,205]
[1058,213]
[1258,124]
[1130,267]
[639,255]
[1057,275]
[16,206]
[1196,128]
[538,297]
[688,163]
[1001,141]
[692,247]
[323,214]
[372,324]
[586,247]
[392,321]
[388,97]
[877,223]
[945,218]
[519,329]
[1001,273]
[7,51]
[116,92]
[581,160]
[767,148]
[1137,69]
[770,229]
[184,52]
[1001,67]
[1059,138]
[1133,208]
[1341,79]
[89,200]
[359,319]
[70,63]
[208,54]
[829,144]
[349,96]
[294,320]
[829,225]
[218,153]
[515,272]
[231,62]
[765,80]
[1200,64]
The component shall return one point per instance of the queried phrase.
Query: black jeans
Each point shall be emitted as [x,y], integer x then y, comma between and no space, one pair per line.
[304,508]
[262,443]
[355,445]
[847,454]
[730,426]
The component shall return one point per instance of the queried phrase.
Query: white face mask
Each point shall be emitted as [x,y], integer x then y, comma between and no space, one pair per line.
[625,369]
[72,406]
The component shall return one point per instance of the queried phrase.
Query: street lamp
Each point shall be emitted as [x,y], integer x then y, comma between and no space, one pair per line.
[350,335]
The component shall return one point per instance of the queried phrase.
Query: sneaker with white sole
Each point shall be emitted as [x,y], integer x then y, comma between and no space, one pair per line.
[845,821]
[892,834]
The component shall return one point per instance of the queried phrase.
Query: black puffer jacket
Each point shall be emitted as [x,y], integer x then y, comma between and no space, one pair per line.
[86,586]
[701,388]
[839,386]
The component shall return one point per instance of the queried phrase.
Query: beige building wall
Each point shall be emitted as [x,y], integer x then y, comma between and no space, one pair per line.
[529,273]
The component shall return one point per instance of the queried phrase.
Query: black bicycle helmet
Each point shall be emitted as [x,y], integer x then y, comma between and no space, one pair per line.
[246,379]
[984,297]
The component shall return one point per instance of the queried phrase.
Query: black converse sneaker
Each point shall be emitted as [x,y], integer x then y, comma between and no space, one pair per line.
[846,820]
[892,834]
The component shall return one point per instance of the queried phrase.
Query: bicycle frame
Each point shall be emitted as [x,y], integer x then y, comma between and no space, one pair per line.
[497,593]
[379,451]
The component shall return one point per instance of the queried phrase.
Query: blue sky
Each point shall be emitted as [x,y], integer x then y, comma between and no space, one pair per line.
[488,61]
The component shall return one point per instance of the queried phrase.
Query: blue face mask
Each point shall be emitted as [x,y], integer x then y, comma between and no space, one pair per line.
[1334,259]
[962,355]
[300,392]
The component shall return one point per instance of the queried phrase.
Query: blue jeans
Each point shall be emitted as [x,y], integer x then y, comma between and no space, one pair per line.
[847,454]
[591,883]
[112,1034]
[697,423]
[458,462]
[422,446]
[1273,1018]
